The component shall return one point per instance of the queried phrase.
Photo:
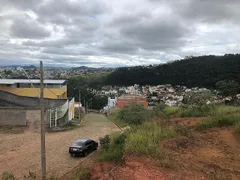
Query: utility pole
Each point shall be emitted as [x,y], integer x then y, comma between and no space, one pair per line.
[79,98]
[43,156]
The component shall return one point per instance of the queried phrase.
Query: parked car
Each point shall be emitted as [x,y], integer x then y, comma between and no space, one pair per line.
[83,147]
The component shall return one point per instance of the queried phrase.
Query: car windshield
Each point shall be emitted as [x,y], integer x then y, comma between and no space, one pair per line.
[79,143]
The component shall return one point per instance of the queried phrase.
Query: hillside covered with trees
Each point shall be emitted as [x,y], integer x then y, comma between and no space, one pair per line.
[203,71]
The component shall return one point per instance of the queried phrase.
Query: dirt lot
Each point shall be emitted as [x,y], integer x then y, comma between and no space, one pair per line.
[20,153]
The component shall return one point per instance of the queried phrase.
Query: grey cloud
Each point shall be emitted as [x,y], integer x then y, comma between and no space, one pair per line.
[29,29]
[84,31]
[118,47]
[132,17]
[157,34]
[213,11]
[21,4]
[66,11]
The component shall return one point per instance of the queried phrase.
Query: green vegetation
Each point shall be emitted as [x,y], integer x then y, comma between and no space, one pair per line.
[145,139]
[82,174]
[114,118]
[199,111]
[203,71]
[228,87]
[134,114]
[8,176]
[145,135]
[218,121]
[112,149]
[237,127]
[171,111]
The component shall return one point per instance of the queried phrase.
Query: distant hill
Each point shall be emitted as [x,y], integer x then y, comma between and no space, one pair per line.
[22,66]
[82,68]
[203,71]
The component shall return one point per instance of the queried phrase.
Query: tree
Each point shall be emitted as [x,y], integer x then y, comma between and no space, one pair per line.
[134,114]
[228,87]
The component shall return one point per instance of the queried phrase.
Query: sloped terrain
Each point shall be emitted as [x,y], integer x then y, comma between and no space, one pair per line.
[211,154]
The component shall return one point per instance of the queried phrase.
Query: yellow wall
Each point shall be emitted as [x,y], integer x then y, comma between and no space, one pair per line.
[52,93]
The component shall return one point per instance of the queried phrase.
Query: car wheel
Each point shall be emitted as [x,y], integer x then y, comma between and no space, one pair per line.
[72,155]
[85,153]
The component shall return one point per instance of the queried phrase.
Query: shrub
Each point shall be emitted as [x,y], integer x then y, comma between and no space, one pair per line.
[115,150]
[145,139]
[158,110]
[134,114]
[82,174]
[8,176]
[182,130]
[31,175]
[105,142]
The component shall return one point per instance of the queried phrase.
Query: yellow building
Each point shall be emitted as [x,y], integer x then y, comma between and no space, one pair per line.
[53,89]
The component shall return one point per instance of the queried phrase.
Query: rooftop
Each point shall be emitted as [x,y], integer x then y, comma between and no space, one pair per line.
[27,81]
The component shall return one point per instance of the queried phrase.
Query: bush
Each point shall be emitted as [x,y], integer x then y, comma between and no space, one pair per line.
[115,150]
[145,139]
[8,176]
[134,114]
[158,110]
[82,174]
[182,130]
[105,142]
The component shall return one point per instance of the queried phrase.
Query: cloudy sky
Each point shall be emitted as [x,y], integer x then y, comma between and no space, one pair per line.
[110,33]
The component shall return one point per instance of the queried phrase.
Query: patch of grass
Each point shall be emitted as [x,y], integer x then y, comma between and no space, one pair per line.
[82,174]
[12,129]
[8,176]
[201,111]
[237,127]
[145,139]
[218,121]
[114,151]
[170,111]
[225,110]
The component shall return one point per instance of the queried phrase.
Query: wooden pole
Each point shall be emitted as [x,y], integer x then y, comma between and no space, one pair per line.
[43,153]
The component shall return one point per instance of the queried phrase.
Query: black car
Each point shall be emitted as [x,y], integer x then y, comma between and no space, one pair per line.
[83,147]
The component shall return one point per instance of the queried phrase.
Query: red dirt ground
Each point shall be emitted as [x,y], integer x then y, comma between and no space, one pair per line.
[213,155]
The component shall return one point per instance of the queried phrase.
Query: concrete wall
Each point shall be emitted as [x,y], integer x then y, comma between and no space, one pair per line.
[22,117]
[33,118]
[13,117]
